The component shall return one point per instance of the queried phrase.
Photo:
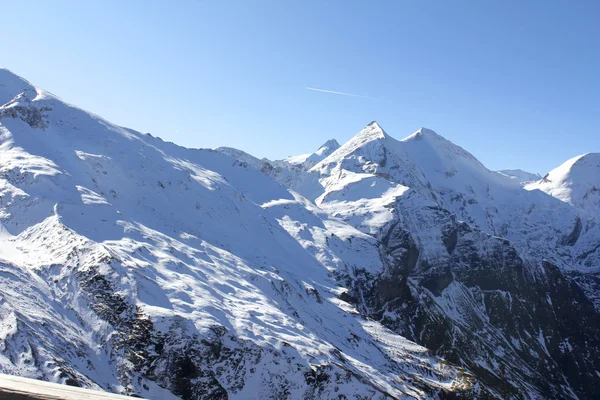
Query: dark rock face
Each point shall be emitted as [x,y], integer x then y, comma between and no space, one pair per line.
[21,107]
[31,115]
[191,366]
[210,365]
[520,328]
[571,239]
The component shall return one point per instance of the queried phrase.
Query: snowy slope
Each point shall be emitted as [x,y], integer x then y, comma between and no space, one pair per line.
[151,269]
[307,161]
[426,169]
[467,247]
[140,267]
[576,182]
[523,177]
[449,226]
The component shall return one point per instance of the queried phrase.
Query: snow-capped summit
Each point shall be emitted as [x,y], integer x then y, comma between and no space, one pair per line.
[422,133]
[135,265]
[428,166]
[444,163]
[372,132]
[576,181]
[432,200]
[368,144]
[422,159]
[307,161]
[12,85]
[328,147]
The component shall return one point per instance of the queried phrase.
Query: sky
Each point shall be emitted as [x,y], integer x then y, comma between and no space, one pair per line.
[516,83]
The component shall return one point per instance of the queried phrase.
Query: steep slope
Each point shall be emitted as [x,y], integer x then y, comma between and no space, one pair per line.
[475,266]
[444,174]
[577,183]
[523,177]
[307,161]
[136,266]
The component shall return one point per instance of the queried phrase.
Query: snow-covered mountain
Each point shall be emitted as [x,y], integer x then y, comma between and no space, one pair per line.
[307,161]
[576,182]
[462,247]
[381,268]
[523,177]
[136,266]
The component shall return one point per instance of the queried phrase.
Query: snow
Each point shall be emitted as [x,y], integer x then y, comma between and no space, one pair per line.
[307,161]
[209,237]
[576,181]
[12,85]
[523,177]
[373,175]
[196,239]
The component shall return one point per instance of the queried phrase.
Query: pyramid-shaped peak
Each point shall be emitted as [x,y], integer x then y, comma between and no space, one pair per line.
[370,132]
[326,149]
[309,160]
[368,136]
[375,125]
[330,144]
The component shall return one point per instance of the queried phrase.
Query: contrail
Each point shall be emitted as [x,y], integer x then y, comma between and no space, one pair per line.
[340,93]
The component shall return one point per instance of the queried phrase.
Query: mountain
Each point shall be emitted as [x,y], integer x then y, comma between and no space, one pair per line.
[308,160]
[476,267]
[575,182]
[382,268]
[523,177]
[136,266]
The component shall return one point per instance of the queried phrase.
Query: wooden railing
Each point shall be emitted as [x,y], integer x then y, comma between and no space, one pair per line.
[17,388]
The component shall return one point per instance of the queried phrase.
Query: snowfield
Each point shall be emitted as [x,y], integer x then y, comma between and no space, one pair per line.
[127,259]
[380,268]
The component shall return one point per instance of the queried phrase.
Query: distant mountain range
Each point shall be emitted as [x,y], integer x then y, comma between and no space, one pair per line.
[381,268]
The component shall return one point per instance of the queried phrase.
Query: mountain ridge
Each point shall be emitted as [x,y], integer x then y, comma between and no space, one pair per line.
[167,272]
[170,272]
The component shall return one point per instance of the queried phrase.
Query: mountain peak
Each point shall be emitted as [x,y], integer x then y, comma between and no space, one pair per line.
[331,143]
[308,160]
[375,126]
[370,136]
[11,85]
[584,164]
[573,181]
[370,132]
[423,133]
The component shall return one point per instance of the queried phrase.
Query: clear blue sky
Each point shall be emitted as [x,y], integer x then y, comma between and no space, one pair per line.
[517,83]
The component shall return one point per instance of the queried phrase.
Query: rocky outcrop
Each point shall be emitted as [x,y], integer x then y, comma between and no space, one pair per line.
[519,328]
